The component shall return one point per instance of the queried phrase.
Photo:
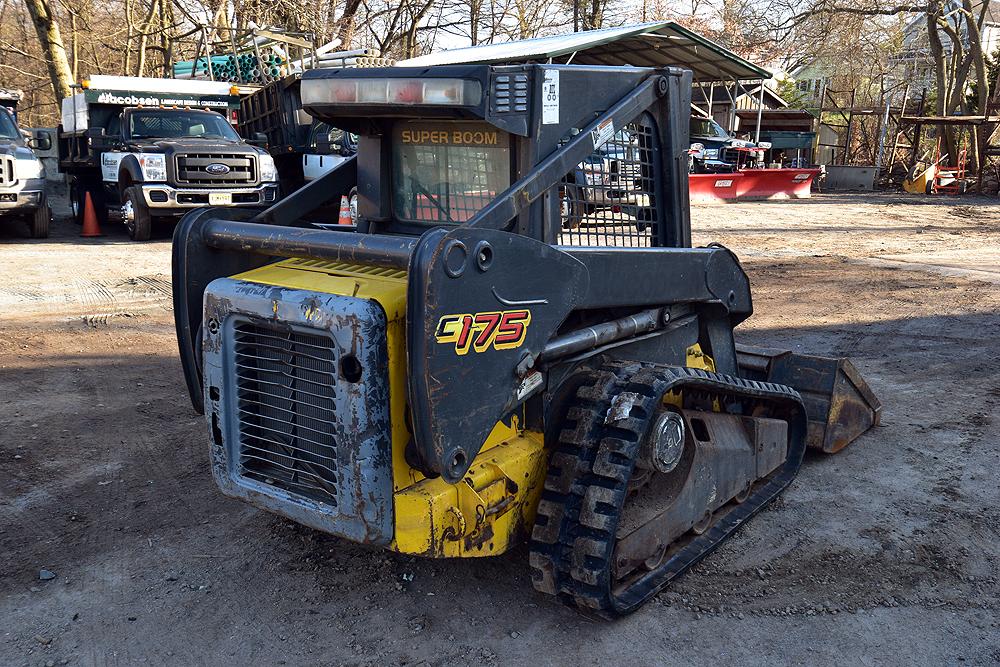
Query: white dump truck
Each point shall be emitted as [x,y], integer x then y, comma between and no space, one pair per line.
[155,148]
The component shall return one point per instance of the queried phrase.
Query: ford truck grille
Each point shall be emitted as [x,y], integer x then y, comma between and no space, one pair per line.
[287,410]
[194,169]
[297,401]
[7,176]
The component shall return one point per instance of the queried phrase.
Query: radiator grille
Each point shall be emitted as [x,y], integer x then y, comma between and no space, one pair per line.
[286,390]
[192,168]
[7,176]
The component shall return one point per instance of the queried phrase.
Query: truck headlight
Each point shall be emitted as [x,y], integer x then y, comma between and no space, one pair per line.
[30,169]
[711,153]
[154,167]
[268,172]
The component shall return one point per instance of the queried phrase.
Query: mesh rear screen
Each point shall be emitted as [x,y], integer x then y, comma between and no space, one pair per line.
[609,199]
[447,171]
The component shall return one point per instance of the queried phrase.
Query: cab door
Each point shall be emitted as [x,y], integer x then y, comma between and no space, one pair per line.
[328,147]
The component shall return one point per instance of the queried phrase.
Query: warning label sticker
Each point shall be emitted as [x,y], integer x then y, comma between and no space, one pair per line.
[550,97]
[602,133]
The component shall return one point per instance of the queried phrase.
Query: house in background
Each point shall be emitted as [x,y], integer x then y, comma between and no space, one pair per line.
[812,80]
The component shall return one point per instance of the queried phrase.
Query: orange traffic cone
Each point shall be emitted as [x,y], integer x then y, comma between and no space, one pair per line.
[345,212]
[90,226]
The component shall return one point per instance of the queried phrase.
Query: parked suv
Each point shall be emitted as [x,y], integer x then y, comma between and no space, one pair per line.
[610,178]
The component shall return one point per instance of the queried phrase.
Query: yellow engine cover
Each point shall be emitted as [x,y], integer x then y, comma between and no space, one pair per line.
[494,505]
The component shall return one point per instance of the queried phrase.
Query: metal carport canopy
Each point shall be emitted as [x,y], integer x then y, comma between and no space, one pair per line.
[659,44]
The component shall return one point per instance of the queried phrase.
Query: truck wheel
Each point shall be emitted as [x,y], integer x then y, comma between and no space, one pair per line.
[39,222]
[77,194]
[352,202]
[136,215]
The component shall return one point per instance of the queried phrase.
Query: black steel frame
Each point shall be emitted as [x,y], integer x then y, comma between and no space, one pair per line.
[505,256]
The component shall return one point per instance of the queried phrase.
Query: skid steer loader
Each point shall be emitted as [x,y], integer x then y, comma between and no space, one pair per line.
[482,359]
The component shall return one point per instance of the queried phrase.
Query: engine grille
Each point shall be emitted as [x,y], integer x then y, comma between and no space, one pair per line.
[191,168]
[286,402]
[7,176]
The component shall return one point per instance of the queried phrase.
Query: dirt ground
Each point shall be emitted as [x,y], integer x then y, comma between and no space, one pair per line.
[885,554]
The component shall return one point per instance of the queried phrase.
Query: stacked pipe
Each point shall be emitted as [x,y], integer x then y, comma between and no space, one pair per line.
[250,68]
[369,61]
[240,68]
[338,59]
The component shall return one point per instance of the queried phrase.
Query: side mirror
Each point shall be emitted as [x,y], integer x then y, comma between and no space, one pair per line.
[42,141]
[259,139]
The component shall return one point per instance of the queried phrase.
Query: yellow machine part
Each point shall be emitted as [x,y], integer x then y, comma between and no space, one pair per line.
[494,505]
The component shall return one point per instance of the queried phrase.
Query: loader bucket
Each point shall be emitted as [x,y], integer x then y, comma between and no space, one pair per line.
[839,403]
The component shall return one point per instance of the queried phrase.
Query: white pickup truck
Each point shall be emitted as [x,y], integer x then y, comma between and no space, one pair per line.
[22,175]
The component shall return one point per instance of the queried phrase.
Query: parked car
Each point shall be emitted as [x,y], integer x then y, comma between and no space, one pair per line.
[610,178]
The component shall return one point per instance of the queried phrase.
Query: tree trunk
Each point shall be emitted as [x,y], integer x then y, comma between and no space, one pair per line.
[979,63]
[345,33]
[52,45]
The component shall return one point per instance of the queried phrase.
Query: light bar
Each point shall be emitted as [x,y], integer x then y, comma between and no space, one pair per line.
[404,92]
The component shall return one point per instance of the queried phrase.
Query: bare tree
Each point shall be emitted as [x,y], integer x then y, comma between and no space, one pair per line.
[50,38]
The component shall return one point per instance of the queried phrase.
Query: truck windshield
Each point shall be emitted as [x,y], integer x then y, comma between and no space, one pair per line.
[447,171]
[706,127]
[174,124]
[8,130]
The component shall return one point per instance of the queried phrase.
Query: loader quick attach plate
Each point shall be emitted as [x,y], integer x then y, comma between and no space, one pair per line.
[297,400]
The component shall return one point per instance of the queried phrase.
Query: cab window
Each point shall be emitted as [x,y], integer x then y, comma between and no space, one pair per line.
[446,172]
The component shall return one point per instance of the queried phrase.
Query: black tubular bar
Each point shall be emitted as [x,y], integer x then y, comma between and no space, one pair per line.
[334,183]
[500,212]
[596,335]
[376,249]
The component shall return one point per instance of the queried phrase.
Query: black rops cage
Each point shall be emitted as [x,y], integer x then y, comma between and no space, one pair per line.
[559,190]
[445,145]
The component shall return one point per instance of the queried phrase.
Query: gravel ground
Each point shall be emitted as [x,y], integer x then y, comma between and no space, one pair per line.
[886,553]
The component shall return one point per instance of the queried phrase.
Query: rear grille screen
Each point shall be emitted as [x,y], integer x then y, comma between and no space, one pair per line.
[286,390]
[610,199]
[202,169]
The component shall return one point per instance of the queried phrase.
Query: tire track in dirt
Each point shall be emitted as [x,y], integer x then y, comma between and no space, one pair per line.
[95,302]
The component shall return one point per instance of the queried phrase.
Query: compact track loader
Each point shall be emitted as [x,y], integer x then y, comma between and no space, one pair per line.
[490,356]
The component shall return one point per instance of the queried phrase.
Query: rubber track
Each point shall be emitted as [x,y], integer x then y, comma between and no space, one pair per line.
[573,540]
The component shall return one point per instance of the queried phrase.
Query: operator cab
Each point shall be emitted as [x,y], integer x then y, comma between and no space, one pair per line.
[438,145]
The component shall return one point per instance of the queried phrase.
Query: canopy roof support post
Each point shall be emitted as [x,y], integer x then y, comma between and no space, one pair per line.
[733,96]
[760,111]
